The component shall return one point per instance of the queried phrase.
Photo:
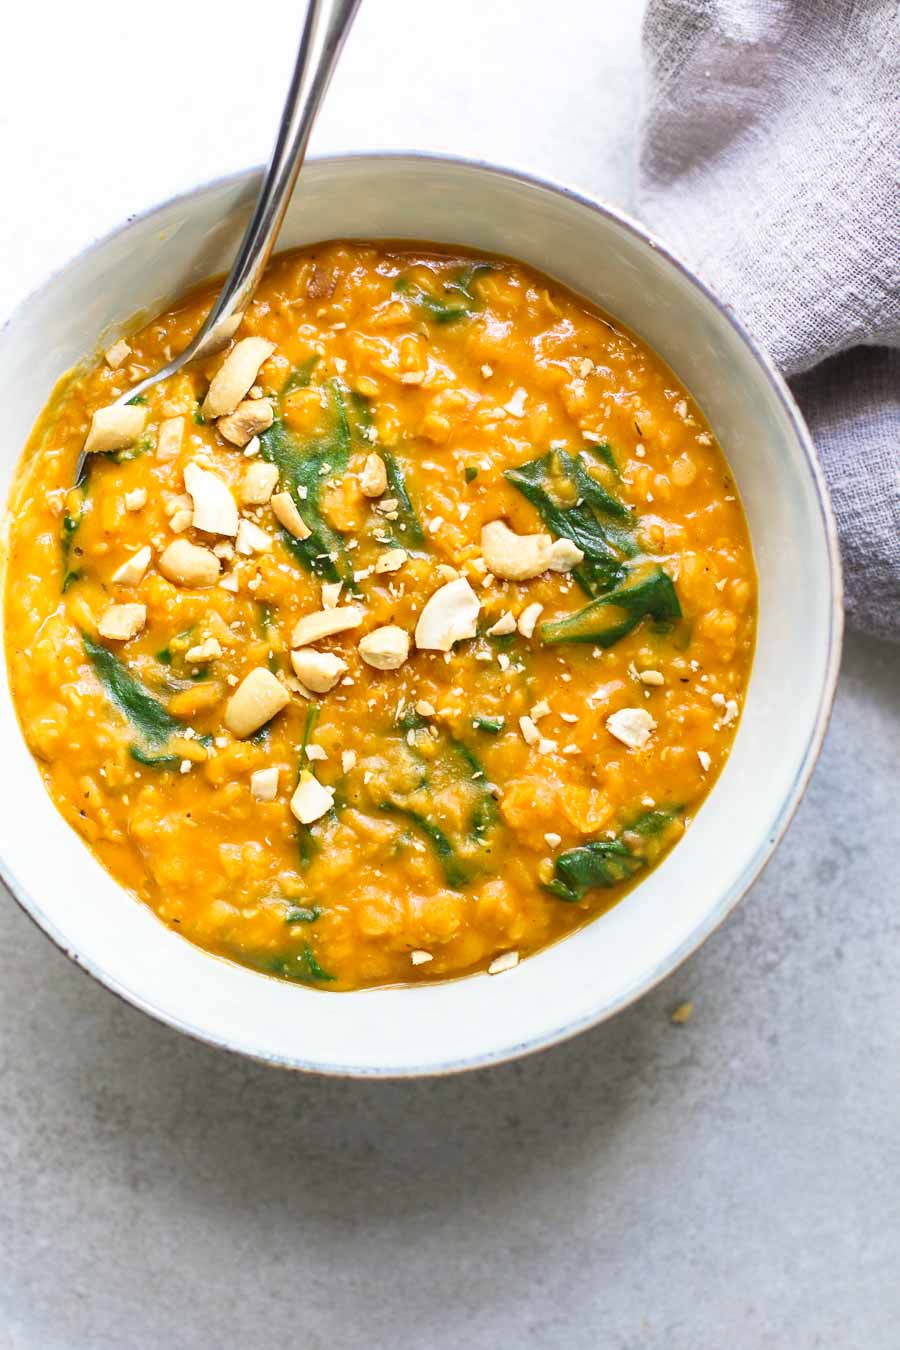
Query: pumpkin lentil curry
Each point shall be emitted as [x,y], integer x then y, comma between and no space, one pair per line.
[395,643]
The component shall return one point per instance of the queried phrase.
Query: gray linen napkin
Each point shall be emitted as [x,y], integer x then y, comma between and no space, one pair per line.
[770,159]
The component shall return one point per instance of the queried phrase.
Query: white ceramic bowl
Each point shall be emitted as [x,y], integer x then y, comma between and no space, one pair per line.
[587,977]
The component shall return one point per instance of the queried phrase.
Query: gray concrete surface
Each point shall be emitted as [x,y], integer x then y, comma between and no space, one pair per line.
[733,1184]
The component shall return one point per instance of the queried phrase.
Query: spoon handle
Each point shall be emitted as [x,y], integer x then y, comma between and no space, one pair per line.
[326,27]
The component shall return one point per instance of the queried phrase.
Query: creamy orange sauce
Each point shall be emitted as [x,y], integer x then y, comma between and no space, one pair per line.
[458,783]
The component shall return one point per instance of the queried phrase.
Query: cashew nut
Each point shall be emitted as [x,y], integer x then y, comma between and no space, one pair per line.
[256,700]
[248,420]
[318,671]
[325,623]
[121,622]
[115,428]
[235,376]
[385,648]
[516,557]
[188,564]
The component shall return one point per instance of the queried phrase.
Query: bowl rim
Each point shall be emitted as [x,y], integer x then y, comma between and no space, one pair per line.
[768,845]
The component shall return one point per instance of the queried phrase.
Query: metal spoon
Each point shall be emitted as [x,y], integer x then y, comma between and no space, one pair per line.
[326,27]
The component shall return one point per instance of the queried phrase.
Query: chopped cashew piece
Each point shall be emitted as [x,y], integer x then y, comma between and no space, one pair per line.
[528,728]
[115,428]
[631,726]
[651,677]
[171,434]
[117,354]
[311,800]
[419,958]
[286,514]
[215,510]
[248,420]
[449,615]
[385,648]
[258,483]
[348,760]
[391,561]
[528,619]
[564,555]
[516,557]
[210,650]
[136,500]
[705,760]
[505,624]
[516,405]
[188,564]
[264,784]
[132,572]
[331,593]
[251,539]
[180,503]
[508,961]
[373,479]
[256,700]
[235,376]
[325,623]
[318,671]
[121,622]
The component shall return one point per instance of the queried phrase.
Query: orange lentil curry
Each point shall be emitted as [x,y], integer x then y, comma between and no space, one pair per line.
[396,641]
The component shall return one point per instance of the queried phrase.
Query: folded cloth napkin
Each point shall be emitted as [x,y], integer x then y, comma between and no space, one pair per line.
[770,158]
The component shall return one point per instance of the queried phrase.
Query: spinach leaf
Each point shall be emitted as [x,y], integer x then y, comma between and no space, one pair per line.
[646,591]
[303,914]
[165,656]
[449,765]
[409,524]
[604,452]
[458,299]
[455,873]
[492,725]
[301,966]
[301,376]
[363,429]
[76,505]
[309,726]
[129,452]
[263,618]
[72,518]
[151,719]
[303,468]
[607,862]
[574,505]
[359,416]
[152,760]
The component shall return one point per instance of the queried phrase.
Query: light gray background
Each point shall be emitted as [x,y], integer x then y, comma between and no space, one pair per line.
[733,1184]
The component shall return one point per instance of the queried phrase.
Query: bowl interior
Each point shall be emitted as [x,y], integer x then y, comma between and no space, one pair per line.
[603,966]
